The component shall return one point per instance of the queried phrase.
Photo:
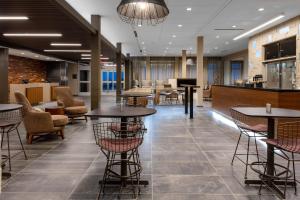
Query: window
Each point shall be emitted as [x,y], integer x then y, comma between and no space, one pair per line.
[211,71]
[236,71]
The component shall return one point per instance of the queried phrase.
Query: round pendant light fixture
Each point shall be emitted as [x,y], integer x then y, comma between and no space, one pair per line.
[138,12]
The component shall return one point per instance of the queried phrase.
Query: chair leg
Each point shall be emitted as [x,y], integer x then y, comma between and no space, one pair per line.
[286,178]
[21,143]
[257,155]
[237,145]
[62,133]
[85,117]
[2,137]
[294,173]
[247,158]
[30,138]
[8,151]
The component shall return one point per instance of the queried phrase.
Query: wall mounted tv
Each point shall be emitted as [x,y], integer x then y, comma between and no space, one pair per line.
[186,81]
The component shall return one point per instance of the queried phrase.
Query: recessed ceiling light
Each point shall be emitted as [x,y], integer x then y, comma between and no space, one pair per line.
[143,42]
[170,43]
[89,55]
[167,48]
[23,53]
[179,25]
[259,27]
[67,50]
[234,26]
[174,36]
[66,44]
[140,25]
[216,48]
[226,42]
[261,9]
[217,36]
[13,18]
[32,34]
[144,47]
[189,9]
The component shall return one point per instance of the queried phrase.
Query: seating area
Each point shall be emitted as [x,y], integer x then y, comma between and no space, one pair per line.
[149,99]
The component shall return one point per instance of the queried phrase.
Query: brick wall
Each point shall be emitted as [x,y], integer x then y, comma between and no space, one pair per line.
[25,68]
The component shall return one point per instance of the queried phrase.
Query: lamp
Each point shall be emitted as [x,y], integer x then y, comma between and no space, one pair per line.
[137,12]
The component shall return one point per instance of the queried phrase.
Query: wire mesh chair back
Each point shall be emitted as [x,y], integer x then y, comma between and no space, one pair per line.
[119,137]
[288,136]
[246,123]
[11,118]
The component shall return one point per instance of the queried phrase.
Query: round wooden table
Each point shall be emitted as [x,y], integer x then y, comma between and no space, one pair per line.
[275,113]
[123,113]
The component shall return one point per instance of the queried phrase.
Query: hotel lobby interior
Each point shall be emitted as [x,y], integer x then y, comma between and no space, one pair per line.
[150,99]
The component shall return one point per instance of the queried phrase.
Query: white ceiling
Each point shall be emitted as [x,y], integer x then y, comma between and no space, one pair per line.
[206,15]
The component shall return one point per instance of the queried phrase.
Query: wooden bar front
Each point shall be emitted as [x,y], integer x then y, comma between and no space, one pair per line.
[225,97]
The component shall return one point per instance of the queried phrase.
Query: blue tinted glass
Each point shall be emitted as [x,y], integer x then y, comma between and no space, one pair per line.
[123,74]
[104,76]
[110,76]
[115,75]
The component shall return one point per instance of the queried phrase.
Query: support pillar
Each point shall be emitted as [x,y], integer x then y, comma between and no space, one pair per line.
[119,71]
[95,62]
[176,67]
[148,69]
[127,72]
[183,67]
[4,75]
[200,47]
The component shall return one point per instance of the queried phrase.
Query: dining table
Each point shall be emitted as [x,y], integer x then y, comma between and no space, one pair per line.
[189,94]
[124,113]
[276,113]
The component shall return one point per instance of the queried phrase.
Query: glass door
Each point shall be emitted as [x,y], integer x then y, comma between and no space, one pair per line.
[281,74]
[288,74]
[84,81]
[273,75]
[109,80]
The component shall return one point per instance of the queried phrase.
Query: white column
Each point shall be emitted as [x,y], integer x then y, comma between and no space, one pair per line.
[200,70]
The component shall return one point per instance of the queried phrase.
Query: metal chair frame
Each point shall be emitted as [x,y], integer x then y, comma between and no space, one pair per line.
[288,139]
[10,121]
[111,136]
[242,122]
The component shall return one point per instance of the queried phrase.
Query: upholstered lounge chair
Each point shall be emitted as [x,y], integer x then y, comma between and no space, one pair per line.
[38,122]
[74,108]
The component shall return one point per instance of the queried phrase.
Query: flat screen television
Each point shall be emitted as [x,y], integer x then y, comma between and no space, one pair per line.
[186,81]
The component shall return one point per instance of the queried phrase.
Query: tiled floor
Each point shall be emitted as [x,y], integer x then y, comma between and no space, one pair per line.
[182,159]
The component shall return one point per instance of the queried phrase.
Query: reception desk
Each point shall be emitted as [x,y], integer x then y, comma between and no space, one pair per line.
[35,92]
[224,97]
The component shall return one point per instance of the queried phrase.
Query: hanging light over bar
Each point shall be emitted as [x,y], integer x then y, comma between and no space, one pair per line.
[138,12]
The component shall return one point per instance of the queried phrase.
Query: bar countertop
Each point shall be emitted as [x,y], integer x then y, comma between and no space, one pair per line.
[264,89]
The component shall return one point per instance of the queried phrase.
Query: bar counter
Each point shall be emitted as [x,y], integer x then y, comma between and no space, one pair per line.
[226,96]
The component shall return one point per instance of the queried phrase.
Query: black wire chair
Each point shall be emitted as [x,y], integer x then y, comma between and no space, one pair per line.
[251,127]
[287,142]
[115,139]
[9,122]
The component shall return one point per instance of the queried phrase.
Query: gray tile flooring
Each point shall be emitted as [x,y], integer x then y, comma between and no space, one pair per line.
[183,159]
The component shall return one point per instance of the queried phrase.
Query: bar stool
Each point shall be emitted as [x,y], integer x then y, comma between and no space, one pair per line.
[287,142]
[9,122]
[115,139]
[251,128]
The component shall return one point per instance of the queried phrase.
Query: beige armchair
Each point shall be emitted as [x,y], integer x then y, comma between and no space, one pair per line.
[38,122]
[74,108]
